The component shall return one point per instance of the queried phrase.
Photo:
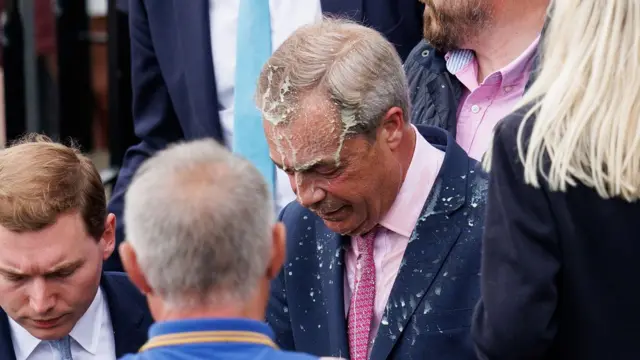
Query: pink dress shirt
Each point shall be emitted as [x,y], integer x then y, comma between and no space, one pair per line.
[397,226]
[483,105]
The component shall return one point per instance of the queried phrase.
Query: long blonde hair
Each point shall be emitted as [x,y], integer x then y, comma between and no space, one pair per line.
[586,101]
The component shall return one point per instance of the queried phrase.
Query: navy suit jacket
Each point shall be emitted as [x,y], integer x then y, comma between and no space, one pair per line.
[130,317]
[174,88]
[429,310]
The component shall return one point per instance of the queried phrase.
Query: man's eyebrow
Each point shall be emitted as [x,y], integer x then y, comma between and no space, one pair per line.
[309,165]
[277,164]
[11,272]
[72,265]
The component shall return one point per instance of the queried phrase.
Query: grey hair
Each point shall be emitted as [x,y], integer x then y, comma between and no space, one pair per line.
[355,66]
[200,221]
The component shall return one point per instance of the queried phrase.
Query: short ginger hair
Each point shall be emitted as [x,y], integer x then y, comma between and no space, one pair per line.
[41,180]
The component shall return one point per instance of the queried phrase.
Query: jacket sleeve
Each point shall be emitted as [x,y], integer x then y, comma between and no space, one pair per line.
[155,122]
[516,315]
[277,311]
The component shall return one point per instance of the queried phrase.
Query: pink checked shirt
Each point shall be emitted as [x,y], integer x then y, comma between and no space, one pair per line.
[483,105]
[397,225]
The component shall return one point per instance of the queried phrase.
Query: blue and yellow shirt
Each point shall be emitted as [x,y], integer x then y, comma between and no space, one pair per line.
[229,339]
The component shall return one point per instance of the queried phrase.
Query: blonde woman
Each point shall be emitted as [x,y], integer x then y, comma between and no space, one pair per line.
[561,254]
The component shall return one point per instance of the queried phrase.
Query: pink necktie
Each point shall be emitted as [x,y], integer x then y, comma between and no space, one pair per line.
[362,298]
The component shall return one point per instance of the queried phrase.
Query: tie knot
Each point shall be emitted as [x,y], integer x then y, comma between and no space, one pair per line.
[365,241]
[63,347]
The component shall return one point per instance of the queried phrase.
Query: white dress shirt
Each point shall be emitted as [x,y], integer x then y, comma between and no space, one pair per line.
[91,337]
[286,17]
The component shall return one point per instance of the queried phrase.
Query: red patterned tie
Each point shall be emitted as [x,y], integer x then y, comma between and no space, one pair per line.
[363,297]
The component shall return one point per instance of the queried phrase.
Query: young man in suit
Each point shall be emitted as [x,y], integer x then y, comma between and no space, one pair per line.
[195,64]
[203,246]
[383,245]
[55,233]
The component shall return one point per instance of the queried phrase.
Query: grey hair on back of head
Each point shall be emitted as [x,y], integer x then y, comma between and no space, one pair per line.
[200,221]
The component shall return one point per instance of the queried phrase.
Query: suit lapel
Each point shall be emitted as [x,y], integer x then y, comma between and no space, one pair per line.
[127,317]
[429,245]
[6,344]
[352,8]
[331,253]
[192,25]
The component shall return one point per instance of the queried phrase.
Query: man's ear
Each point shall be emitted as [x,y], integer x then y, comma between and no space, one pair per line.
[278,253]
[108,239]
[130,263]
[393,126]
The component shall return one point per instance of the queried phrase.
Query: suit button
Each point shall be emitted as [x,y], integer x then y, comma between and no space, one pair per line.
[425,53]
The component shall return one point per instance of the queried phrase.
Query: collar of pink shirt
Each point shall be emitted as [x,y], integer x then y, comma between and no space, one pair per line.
[421,175]
[463,64]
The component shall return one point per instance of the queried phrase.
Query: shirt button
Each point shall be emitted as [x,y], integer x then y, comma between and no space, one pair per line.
[475,109]
[508,88]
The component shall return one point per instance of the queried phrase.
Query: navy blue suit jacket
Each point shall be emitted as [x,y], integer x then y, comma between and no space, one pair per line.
[429,310]
[174,88]
[130,317]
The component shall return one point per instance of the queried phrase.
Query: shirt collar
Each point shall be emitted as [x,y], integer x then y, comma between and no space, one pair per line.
[209,324]
[23,342]
[464,60]
[457,60]
[421,175]
[519,67]
[85,332]
[210,330]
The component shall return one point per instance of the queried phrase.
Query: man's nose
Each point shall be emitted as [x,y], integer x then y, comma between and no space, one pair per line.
[41,298]
[307,191]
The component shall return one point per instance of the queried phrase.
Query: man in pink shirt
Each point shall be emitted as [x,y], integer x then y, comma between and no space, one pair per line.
[473,66]
[383,244]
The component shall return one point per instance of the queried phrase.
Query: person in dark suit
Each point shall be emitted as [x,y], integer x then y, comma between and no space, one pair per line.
[560,249]
[55,233]
[195,64]
[129,316]
[383,244]
[203,247]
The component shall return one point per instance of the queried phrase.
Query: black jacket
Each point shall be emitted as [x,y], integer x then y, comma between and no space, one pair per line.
[559,270]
